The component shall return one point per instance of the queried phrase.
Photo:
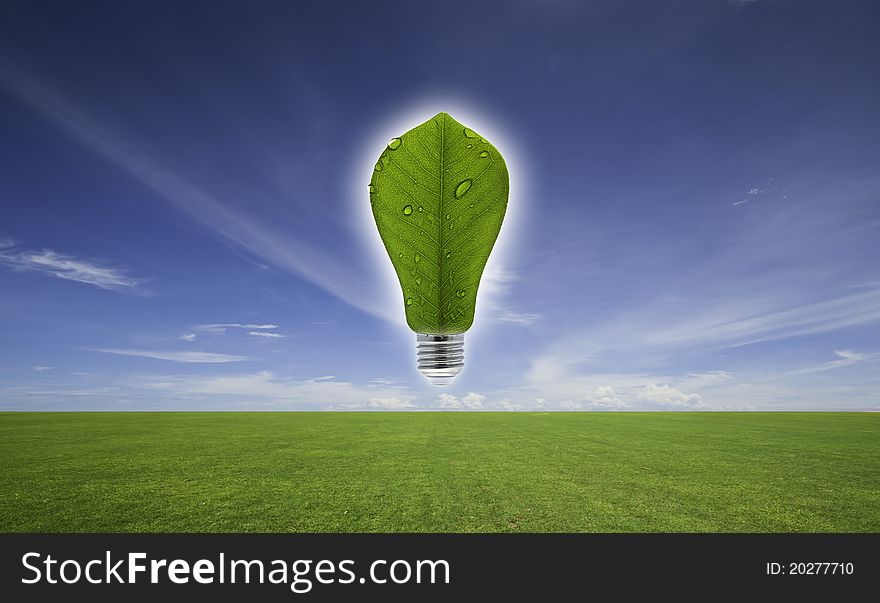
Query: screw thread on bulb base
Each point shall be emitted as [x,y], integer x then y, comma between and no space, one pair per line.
[440,357]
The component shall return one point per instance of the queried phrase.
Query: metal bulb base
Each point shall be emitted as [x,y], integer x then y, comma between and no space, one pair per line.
[440,357]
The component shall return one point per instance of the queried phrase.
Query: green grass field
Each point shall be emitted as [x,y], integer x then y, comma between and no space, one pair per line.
[439,472]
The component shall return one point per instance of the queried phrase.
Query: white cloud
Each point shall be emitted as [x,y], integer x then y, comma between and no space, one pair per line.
[850,355]
[391,403]
[509,406]
[188,336]
[559,386]
[563,378]
[181,357]
[472,401]
[665,395]
[221,327]
[265,334]
[518,318]
[68,268]
[601,398]
[604,398]
[42,369]
[448,401]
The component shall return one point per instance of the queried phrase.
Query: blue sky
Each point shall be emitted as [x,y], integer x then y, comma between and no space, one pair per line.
[694,212]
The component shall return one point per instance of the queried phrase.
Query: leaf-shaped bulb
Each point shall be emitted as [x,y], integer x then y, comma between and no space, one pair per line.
[439,194]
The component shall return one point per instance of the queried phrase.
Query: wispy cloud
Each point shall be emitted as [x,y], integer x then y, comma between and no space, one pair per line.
[846,358]
[518,318]
[266,334]
[42,369]
[850,355]
[722,326]
[174,356]
[770,191]
[289,253]
[221,327]
[495,286]
[68,267]
[188,337]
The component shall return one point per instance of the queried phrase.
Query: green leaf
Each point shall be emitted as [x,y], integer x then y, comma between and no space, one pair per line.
[439,193]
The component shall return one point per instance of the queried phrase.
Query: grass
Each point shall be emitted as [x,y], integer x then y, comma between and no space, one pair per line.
[439,472]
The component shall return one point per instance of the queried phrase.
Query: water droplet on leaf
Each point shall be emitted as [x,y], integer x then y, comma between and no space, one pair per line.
[408,301]
[407,210]
[470,133]
[448,254]
[470,146]
[417,258]
[484,154]
[394,144]
[463,188]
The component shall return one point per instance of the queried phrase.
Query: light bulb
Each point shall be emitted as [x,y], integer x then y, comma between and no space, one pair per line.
[439,194]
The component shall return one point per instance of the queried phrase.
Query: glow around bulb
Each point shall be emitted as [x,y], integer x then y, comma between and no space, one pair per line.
[438,194]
